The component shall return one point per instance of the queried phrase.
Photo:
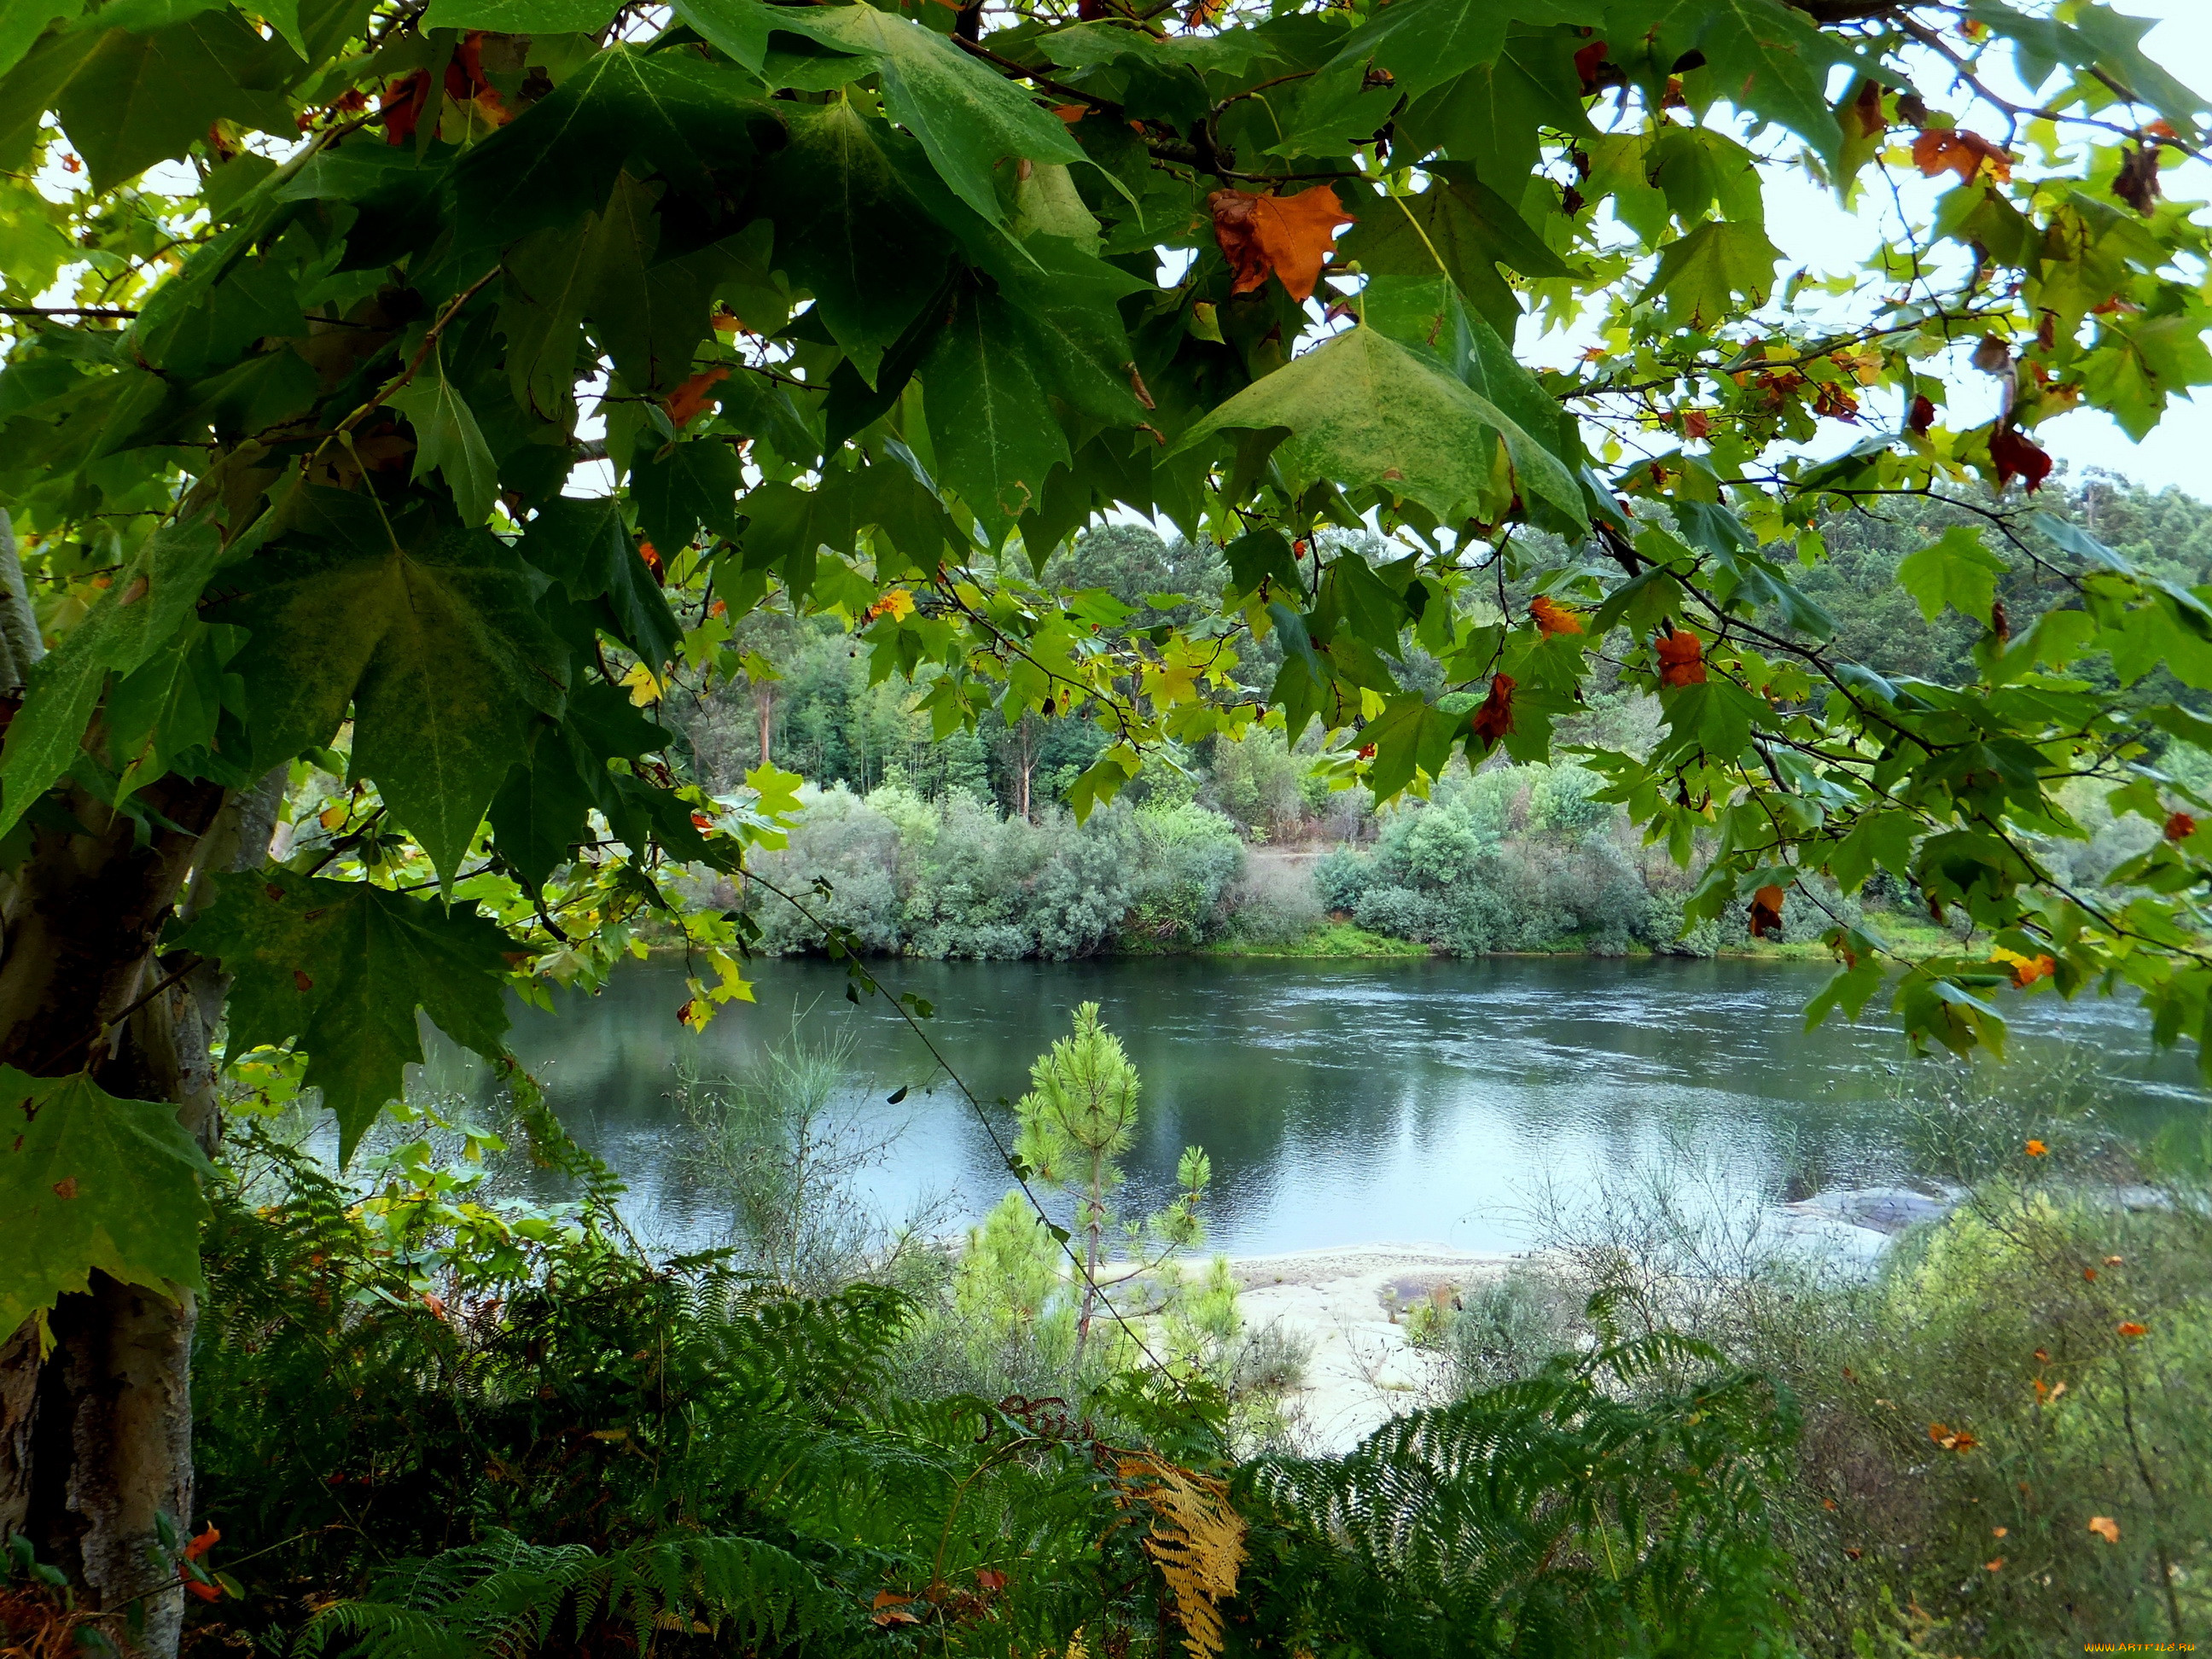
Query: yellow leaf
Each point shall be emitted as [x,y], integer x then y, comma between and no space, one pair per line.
[332,817]
[734,987]
[644,686]
[2105,1528]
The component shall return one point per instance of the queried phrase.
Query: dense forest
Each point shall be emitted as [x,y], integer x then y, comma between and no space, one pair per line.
[962,845]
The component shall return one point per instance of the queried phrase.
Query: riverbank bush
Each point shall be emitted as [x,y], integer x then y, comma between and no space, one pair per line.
[952,877]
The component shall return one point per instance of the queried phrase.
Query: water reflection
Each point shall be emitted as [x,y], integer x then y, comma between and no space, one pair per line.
[1341,1102]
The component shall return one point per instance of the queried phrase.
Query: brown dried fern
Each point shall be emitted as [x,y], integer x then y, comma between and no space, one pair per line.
[1197,1542]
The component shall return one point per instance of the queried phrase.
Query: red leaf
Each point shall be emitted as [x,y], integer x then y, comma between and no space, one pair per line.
[1923,415]
[2180,827]
[1285,236]
[2015,456]
[299,978]
[1588,61]
[404,101]
[1495,718]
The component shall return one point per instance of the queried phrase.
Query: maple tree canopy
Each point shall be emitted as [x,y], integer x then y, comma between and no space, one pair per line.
[415,395]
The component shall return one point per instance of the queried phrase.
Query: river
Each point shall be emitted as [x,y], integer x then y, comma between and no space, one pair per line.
[1341,1102]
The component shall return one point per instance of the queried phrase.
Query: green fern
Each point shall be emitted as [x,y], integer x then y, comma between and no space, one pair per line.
[1607,1506]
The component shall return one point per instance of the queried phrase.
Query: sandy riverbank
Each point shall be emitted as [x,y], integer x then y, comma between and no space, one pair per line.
[1362,1371]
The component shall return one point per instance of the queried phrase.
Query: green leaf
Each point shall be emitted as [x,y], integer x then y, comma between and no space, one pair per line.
[543,808]
[585,546]
[683,486]
[521,16]
[143,606]
[1702,273]
[437,644]
[1425,43]
[1493,116]
[340,967]
[448,441]
[968,116]
[1458,227]
[995,433]
[1431,315]
[672,112]
[140,99]
[89,1182]
[1361,410]
[1954,570]
[851,231]
[22,22]
[1763,56]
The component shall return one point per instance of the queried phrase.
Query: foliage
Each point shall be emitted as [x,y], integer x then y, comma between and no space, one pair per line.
[952,877]
[1613,1503]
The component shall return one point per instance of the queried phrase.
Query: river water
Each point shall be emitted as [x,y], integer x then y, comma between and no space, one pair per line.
[1341,1102]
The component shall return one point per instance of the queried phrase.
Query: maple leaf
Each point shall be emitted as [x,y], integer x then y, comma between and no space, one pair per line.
[1551,617]
[2026,969]
[1681,658]
[2180,827]
[896,603]
[1953,149]
[2105,1528]
[1766,913]
[694,395]
[1588,61]
[1285,236]
[1862,116]
[2136,183]
[1494,719]
[2015,456]
[1697,425]
[2036,1148]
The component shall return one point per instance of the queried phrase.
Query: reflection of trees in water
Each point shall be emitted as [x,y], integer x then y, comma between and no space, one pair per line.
[1387,1097]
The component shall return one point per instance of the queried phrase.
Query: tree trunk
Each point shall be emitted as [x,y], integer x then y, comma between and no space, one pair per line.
[766,698]
[95,1439]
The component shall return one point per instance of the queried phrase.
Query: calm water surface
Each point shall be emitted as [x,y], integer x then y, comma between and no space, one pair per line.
[1341,1102]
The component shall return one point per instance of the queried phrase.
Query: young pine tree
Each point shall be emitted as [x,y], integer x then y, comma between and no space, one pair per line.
[1077,1118]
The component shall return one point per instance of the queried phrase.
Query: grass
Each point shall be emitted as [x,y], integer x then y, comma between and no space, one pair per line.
[1334,939]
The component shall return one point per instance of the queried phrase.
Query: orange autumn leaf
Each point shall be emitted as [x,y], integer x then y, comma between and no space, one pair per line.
[2037,1149]
[2128,1327]
[694,395]
[200,1546]
[650,554]
[2105,1528]
[2180,827]
[2026,969]
[1551,617]
[1953,149]
[1495,718]
[194,1588]
[1681,658]
[1994,1566]
[1285,236]
[1766,913]
[896,603]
